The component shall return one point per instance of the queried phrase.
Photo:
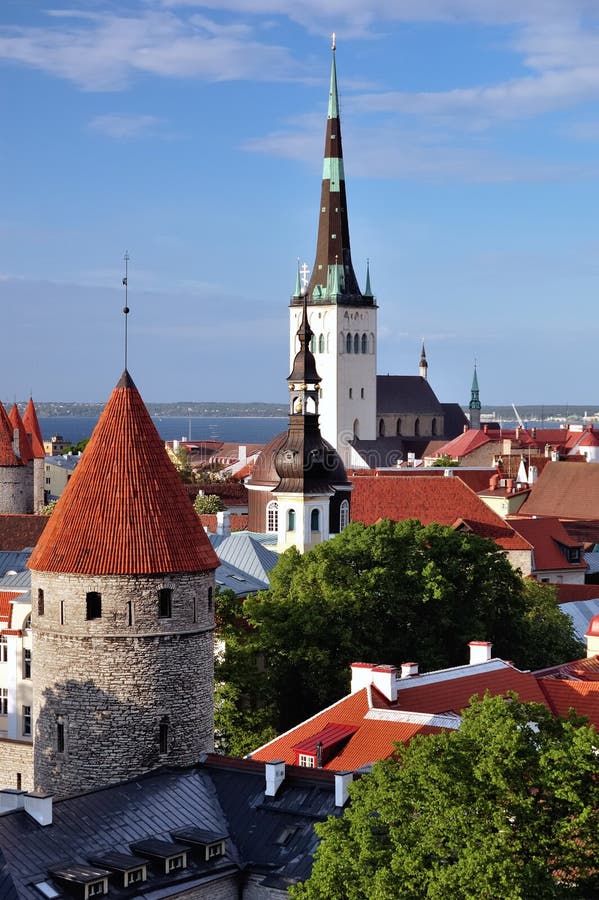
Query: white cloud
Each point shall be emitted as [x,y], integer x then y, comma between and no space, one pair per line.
[128,127]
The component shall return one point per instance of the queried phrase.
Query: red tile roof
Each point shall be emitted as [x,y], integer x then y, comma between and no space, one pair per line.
[7,453]
[238,522]
[570,492]
[25,448]
[124,510]
[32,427]
[443,500]
[464,443]
[573,593]
[564,694]
[546,534]
[20,531]
[5,598]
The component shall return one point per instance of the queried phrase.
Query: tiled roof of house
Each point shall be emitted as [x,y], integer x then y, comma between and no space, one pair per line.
[32,427]
[444,500]
[546,535]
[7,453]
[124,510]
[464,443]
[570,492]
[25,448]
[20,531]
[239,521]
[590,438]
[565,694]
[5,598]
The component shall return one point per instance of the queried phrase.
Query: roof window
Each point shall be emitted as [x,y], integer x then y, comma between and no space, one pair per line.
[91,881]
[166,856]
[211,844]
[125,869]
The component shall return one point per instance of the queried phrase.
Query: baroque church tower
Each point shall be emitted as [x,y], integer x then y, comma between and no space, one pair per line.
[342,318]
[475,405]
[122,587]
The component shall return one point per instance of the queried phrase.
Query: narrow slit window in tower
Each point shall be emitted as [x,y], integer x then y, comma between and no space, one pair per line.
[40,602]
[163,735]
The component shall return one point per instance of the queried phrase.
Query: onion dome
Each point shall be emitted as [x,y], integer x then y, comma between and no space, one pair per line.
[305,462]
[25,449]
[124,510]
[265,473]
[32,427]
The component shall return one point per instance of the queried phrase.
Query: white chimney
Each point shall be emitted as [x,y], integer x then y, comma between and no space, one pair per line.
[275,776]
[409,669]
[384,678]
[242,452]
[223,523]
[175,445]
[39,807]
[10,798]
[592,636]
[342,782]
[480,651]
[361,676]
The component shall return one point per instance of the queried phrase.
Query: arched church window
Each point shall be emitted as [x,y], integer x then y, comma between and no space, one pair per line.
[321,343]
[398,427]
[290,520]
[364,343]
[356,428]
[313,344]
[343,515]
[356,343]
[272,516]
[371,342]
[315,520]
[434,427]
[348,343]
[417,427]
[381,428]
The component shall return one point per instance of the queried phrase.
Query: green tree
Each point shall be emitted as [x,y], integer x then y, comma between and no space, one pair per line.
[386,593]
[503,808]
[549,633]
[446,462]
[205,504]
[49,508]
[79,447]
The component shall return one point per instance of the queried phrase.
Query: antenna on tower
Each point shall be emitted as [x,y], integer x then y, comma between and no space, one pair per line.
[126,306]
[333,41]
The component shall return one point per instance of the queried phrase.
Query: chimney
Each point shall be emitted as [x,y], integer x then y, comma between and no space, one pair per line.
[592,636]
[15,442]
[448,473]
[465,428]
[510,485]
[533,433]
[409,669]
[384,678]
[275,776]
[480,651]
[319,755]
[242,453]
[342,782]
[485,428]
[517,435]
[39,807]
[175,445]
[223,523]
[361,676]
[10,799]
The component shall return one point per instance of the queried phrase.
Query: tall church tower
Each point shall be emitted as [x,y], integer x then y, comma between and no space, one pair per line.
[475,405]
[342,318]
[122,587]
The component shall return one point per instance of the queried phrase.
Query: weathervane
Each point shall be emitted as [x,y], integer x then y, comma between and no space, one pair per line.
[126,306]
[305,274]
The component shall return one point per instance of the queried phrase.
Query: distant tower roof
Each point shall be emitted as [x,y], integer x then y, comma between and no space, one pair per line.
[474,398]
[124,511]
[423,364]
[25,448]
[32,427]
[333,278]
[7,453]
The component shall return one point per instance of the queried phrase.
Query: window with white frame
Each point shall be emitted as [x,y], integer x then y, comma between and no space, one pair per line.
[343,515]
[26,719]
[290,520]
[315,520]
[307,761]
[3,648]
[272,516]
[26,663]
[3,701]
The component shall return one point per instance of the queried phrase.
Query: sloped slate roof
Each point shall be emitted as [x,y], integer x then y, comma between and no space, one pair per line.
[454,419]
[406,394]
[124,511]
[32,427]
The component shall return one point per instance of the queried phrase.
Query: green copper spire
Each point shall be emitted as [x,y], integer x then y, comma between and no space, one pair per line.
[474,405]
[298,283]
[333,98]
[474,390]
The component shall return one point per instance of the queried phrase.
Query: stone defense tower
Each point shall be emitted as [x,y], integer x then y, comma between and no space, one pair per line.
[122,583]
[34,433]
[16,468]
[474,406]
[342,318]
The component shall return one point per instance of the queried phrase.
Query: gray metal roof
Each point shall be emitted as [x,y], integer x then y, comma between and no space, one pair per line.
[246,553]
[581,612]
[238,581]
[15,560]
[63,462]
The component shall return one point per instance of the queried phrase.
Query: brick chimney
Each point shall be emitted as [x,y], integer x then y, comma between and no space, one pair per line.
[480,651]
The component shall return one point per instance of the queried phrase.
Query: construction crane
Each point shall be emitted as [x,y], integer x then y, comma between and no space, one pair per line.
[520,422]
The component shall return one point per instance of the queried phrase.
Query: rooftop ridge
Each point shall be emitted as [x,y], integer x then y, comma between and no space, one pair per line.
[437,720]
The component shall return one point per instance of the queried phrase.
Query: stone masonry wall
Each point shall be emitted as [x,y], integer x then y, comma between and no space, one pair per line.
[16,758]
[106,692]
[16,489]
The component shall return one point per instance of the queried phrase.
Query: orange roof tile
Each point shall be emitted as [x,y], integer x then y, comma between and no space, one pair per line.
[453,694]
[5,598]
[570,492]
[564,694]
[124,510]
[546,534]
[20,531]
[464,443]
[239,521]
[7,453]
[25,449]
[434,499]
[32,427]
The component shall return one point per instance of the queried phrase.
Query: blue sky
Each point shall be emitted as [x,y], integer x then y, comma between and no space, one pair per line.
[191,135]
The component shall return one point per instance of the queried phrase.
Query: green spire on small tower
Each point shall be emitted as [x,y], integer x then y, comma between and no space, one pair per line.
[298,283]
[368,289]
[475,405]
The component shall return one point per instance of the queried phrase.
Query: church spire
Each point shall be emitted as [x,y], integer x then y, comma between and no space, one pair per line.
[423,364]
[333,278]
[475,405]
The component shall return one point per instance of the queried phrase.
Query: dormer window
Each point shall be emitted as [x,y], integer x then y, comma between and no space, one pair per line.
[176,862]
[573,554]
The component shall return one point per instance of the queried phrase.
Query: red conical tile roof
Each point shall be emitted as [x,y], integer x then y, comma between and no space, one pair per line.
[7,453]
[25,449]
[32,427]
[124,511]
